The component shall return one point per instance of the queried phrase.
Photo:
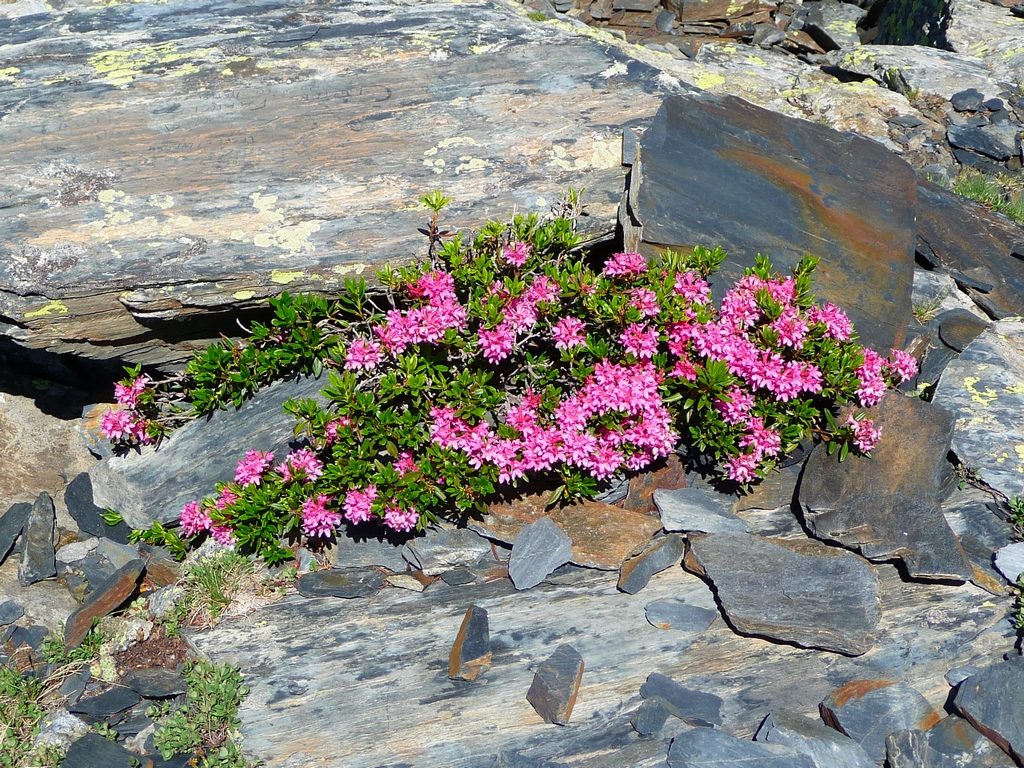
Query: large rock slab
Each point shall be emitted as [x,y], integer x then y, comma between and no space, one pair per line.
[764,183]
[991,701]
[154,484]
[709,748]
[984,389]
[274,150]
[800,592]
[887,506]
[827,747]
[952,743]
[990,33]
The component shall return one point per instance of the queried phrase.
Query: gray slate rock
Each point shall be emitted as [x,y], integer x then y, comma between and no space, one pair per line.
[471,651]
[992,701]
[636,571]
[887,506]
[155,683]
[538,549]
[832,24]
[79,501]
[1000,141]
[959,327]
[458,577]
[710,748]
[692,707]
[869,710]
[1010,561]
[556,684]
[11,524]
[109,702]
[340,582]
[356,547]
[10,612]
[952,743]
[694,509]
[800,592]
[827,747]
[967,100]
[38,559]
[676,614]
[441,549]
[74,685]
[650,717]
[93,750]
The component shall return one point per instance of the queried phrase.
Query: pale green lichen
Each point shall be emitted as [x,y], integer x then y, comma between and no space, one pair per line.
[53,307]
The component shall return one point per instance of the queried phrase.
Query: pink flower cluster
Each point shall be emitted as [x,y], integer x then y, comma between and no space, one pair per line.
[427,323]
[195,520]
[317,519]
[865,434]
[517,253]
[567,333]
[249,470]
[625,265]
[300,464]
[127,423]
[521,314]
[128,396]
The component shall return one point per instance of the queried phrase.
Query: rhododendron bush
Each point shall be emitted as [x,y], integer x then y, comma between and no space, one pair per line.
[511,358]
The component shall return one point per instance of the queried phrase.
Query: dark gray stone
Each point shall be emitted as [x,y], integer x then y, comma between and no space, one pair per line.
[364,546]
[827,747]
[710,748]
[958,328]
[106,704]
[636,572]
[887,506]
[1000,141]
[833,25]
[441,549]
[992,701]
[32,636]
[694,509]
[767,35]
[458,576]
[952,743]
[78,498]
[38,560]
[967,100]
[869,710]
[155,683]
[1010,561]
[556,684]
[675,614]
[10,612]
[11,524]
[664,21]
[650,717]
[800,592]
[538,549]
[106,597]
[692,707]
[340,582]
[93,751]
[471,651]
[74,685]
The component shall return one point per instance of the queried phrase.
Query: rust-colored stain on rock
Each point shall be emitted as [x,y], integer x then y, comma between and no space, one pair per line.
[857,689]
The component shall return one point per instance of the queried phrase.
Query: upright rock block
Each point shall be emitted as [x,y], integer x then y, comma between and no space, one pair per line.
[38,560]
[556,685]
[471,652]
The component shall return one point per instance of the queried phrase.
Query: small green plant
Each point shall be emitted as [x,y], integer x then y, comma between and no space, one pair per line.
[1016,505]
[209,586]
[111,517]
[106,731]
[926,310]
[161,536]
[207,725]
[20,713]
[1001,193]
[55,652]
[537,16]
[966,475]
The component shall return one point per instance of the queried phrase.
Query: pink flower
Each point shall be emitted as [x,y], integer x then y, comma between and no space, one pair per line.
[639,341]
[865,434]
[736,410]
[692,287]
[543,289]
[358,504]
[791,329]
[497,343]
[837,324]
[333,426]
[405,464]
[128,396]
[362,354]
[317,519]
[872,384]
[117,424]
[742,468]
[250,469]
[902,365]
[517,253]
[398,519]
[305,461]
[194,519]
[764,441]
[226,498]
[223,535]
[625,264]
[568,333]
[646,301]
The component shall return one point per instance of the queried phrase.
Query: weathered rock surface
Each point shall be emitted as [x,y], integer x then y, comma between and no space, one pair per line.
[93,749]
[802,193]
[37,553]
[12,522]
[471,652]
[826,747]
[887,506]
[114,700]
[952,743]
[692,707]
[800,592]
[991,701]
[869,710]
[341,582]
[104,598]
[676,614]
[708,748]
[155,484]
[155,683]
[1010,561]
[637,571]
[539,548]
[442,549]
[984,389]
[694,509]
[556,684]
[78,499]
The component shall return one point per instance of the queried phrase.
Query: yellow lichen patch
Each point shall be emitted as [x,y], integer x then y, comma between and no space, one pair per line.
[55,80]
[283,277]
[478,50]
[983,399]
[708,80]
[588,154]
[468,163]
[53,307]
[163,202]
[121,67]
[243,295]
[616,69]
[7,75]
[347,269]
[109,195]
[1015,389]
[1019,450]
[858,56]
[274,232]
[757,61]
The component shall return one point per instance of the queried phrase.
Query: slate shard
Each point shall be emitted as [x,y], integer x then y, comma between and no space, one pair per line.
[38,560]
[992,701]
[471,653]
[676,614]
[556,685]
[711,748]
[104,598]
[94,750]
[952,743]
[79,501]
[1010,561]
[108,703]
[441,549]
[694,509]
[12,522]
[827,747]
[346,583]
[636,572]
[155,682]
[888,506]
[650,717]
[10,612]
[539,548]
[869,710]
[692,707]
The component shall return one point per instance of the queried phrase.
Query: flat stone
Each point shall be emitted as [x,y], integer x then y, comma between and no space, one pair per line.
[837,196]
[471,653]
[887,506]
[538,549]
[636,572]
[991,700]
[155,484]
[983,572]
[37,554]
[827,747]
[74,685]
[967,100]
[800,592]
[365,545]
[406,581]
[952,743]
[155,682]
[78,499]
[10,612]
[1010,561]
[984,389]
[958,328]
[60,729]
[441,549]
[690,706]
[711,748]
[31,636]
[458,576]
[11,524]
[104,599]
[1000,141]
[833,24]
[103,705]
[650,717]
[869,710]
[341,582]
[643,485]
[694,509]
[675,614]
[93,750]
[556,684]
